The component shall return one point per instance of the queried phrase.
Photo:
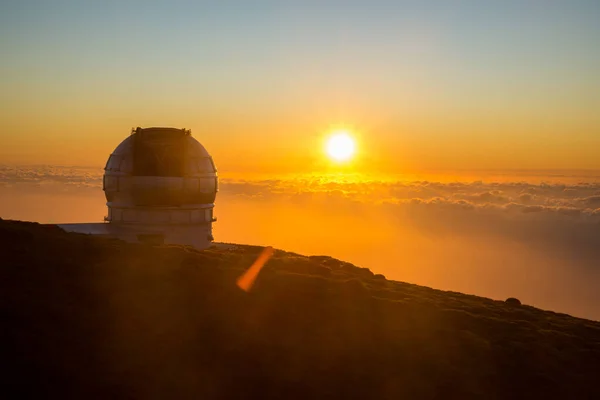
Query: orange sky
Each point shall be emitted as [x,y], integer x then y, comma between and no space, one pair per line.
[290,146]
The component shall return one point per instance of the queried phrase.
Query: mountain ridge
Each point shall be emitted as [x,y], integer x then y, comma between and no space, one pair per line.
[92,317]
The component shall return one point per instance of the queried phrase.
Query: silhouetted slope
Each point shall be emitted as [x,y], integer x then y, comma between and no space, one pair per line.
[84,317]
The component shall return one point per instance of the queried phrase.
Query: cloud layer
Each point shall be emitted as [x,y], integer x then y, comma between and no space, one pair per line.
[48,175]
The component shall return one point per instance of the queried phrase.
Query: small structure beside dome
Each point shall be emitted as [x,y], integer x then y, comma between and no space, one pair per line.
[160,186]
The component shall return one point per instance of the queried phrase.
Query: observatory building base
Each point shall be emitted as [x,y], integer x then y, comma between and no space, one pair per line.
[198,236]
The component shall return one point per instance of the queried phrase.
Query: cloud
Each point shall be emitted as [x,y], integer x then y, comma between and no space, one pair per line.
[578,200]
[48,175]
[591,200]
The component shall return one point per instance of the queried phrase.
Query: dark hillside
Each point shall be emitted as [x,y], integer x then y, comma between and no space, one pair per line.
[84,317]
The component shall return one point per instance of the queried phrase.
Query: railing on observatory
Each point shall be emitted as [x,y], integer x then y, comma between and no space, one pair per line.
[174,216]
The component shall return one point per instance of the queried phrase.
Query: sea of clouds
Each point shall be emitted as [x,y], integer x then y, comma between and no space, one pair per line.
[539,241]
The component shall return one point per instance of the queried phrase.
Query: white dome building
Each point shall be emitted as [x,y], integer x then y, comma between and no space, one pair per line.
[160,186]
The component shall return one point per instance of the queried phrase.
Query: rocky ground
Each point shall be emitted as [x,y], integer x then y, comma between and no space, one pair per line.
[84,317]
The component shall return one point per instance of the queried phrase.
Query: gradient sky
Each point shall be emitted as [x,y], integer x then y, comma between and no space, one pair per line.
[425,85]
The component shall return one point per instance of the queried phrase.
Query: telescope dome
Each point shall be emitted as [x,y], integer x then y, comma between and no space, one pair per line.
[160,176]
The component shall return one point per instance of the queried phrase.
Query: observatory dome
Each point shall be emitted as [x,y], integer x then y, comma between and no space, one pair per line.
[161,178]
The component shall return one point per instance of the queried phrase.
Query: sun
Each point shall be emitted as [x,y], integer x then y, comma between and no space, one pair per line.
[340,146]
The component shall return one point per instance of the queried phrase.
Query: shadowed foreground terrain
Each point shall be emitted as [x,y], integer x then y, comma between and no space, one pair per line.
[84,317]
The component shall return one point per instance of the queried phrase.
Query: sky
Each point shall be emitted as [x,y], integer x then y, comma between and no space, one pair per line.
[423,85]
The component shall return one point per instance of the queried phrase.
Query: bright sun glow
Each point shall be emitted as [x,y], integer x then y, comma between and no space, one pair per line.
[340,146]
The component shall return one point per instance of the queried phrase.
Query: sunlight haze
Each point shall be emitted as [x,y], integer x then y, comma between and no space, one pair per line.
[340,146]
